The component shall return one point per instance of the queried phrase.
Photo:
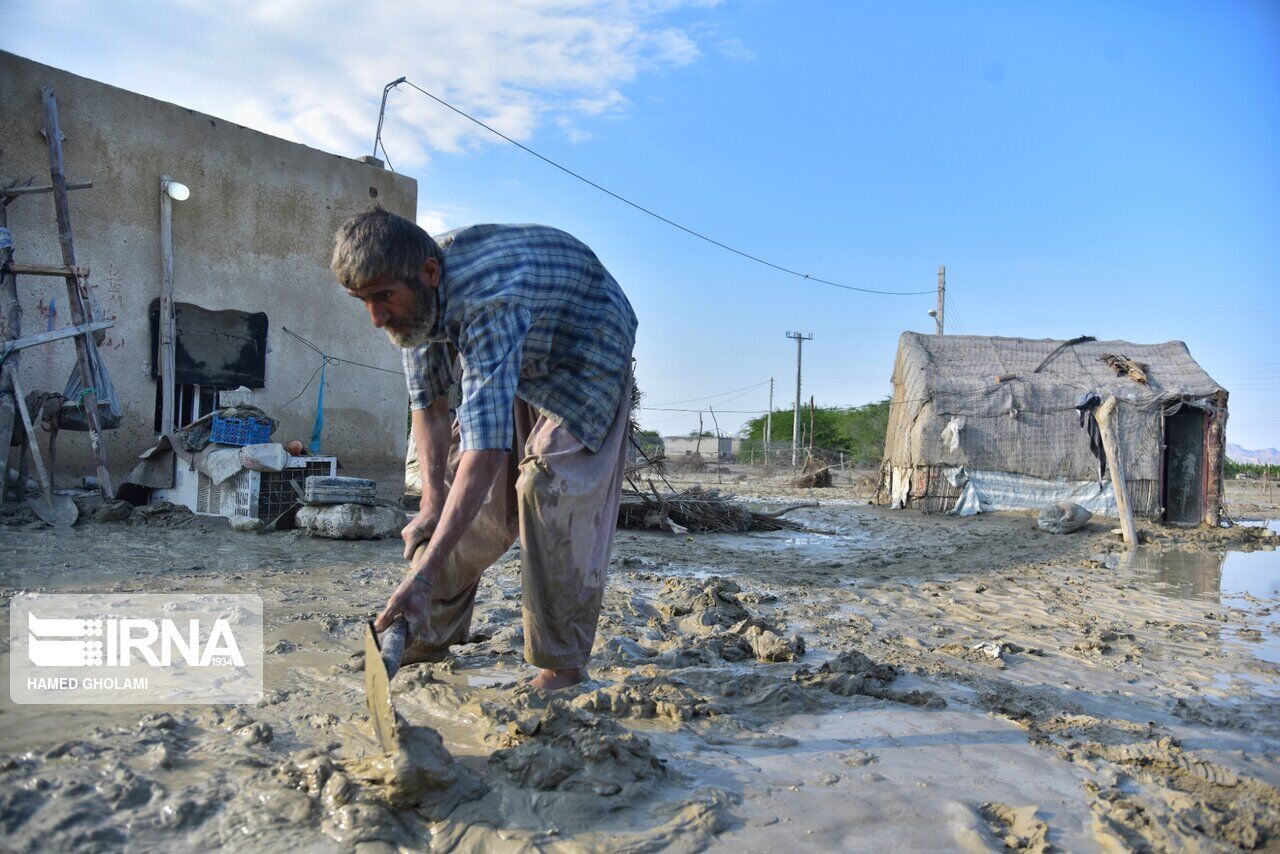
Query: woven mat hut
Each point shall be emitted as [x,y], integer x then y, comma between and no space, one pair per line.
[984,423]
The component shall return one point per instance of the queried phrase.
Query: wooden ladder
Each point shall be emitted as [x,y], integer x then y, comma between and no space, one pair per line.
[84,314]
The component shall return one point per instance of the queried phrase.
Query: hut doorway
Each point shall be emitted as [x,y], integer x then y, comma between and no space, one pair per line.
[1184,458]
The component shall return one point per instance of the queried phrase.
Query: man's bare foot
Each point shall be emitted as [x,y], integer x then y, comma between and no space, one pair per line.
[554,680]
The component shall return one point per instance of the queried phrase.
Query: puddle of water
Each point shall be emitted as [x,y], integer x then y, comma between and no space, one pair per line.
[1195,574]
[812,545]
[870,777]
[486,677]
[1232,579]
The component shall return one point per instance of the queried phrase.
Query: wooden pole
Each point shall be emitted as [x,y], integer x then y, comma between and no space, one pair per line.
[49,270]
[768,424]
[58,180]
[1215,460]
[10,329]
[810,425]
[32,191]
[166,322]
[46,485]
[14,345]
[716,422]
[1115,464]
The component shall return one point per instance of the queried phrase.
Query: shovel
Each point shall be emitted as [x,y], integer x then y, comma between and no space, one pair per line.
[381,661]
[56,510]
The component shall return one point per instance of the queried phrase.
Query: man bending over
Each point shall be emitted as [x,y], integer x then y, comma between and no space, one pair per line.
[537,447]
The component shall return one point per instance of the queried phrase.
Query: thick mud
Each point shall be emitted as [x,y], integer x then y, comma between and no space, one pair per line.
[904,682]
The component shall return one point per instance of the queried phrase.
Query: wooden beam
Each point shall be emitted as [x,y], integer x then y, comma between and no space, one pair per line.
[48,270]
[1215,452]
[31,191]
[54,335]
[167,344]
[58,180]
[1115,464]
[10,327]
[46,485]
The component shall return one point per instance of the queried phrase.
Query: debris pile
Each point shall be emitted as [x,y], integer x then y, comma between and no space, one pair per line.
[699,511]
[346,508]
[816,474]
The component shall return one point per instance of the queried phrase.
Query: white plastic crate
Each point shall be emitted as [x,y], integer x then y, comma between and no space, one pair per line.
[262,495]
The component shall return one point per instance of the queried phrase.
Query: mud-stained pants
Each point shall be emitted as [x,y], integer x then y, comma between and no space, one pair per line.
[562,501]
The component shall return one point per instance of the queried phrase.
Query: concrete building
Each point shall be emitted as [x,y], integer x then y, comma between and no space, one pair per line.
[726,447]
[251,249]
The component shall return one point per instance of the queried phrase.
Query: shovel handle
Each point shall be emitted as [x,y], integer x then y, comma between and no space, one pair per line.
[391,646]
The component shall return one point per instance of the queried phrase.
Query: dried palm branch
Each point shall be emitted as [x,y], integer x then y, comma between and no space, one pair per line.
[700,511]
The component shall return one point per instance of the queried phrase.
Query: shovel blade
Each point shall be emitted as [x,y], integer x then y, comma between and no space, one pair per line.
[61,512]
[377,693]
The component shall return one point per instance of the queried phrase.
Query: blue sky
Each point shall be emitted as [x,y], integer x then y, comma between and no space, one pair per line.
[1104,169]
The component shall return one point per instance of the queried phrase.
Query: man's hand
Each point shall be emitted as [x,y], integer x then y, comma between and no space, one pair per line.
[419,530]
[412,600]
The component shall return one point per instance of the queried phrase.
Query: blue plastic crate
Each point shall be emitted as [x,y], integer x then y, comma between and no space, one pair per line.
[239,431]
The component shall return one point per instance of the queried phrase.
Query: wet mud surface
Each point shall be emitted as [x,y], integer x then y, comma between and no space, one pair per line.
[904,682]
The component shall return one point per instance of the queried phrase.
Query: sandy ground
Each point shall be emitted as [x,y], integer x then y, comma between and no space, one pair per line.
[904,682]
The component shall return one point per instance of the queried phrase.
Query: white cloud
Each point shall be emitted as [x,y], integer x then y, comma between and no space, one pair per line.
[734,49]
[434,222]
[313,70]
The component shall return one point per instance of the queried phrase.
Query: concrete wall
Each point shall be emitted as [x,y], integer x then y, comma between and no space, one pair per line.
[254,236]
[679,446]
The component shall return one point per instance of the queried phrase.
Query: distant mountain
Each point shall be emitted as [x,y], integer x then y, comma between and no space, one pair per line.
[1265,456]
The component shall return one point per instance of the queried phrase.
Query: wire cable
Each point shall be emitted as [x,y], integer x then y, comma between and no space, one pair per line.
[655,214]
[339,358]
[308,385]
[709,396]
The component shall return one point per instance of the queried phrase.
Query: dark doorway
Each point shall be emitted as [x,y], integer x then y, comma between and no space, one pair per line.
[1184,466]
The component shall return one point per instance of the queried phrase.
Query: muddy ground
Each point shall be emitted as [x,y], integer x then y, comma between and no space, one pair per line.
[904,682]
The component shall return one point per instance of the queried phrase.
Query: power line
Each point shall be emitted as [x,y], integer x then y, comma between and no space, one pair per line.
[653,213]
[709,396]
[719,411]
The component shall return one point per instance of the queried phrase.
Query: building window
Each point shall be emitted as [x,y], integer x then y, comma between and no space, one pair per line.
[190,403]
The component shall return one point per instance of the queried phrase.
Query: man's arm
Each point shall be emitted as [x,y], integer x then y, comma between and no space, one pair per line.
[431,428]
[476,473]
[490,341]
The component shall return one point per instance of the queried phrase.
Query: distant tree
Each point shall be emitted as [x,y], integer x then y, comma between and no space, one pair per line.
[857,431]
[649,441]
[1231,468]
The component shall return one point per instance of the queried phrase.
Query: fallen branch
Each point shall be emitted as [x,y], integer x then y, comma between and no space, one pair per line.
[698,511]
[775,514]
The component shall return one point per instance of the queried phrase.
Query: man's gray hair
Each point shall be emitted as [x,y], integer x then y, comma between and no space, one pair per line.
[377,244]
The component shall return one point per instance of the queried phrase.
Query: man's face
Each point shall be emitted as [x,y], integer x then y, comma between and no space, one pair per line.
[406,311]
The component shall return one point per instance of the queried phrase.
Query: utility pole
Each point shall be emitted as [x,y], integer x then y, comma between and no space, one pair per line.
[942,297]
[799,338]
[768,424]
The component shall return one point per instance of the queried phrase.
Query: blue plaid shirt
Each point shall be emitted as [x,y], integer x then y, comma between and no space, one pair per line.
[532,313]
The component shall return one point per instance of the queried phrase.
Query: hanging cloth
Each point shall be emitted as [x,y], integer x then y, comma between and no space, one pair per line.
[1086,406]
[318,427]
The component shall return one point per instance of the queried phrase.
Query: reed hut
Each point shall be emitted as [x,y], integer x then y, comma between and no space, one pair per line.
[985,423]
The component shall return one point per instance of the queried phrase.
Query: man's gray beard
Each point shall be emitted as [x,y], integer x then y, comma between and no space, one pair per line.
[419,328]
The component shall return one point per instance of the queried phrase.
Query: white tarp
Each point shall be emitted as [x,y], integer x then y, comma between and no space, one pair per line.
[986,491]
[899,487]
